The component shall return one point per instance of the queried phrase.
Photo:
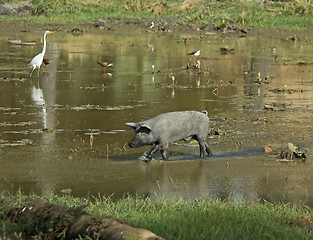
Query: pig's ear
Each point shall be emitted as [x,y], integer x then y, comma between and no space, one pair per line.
[132,124]
[145,128]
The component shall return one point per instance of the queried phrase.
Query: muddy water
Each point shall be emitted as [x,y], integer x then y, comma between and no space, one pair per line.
[65,130]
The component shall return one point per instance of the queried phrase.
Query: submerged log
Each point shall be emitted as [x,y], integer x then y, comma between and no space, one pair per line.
[50,221]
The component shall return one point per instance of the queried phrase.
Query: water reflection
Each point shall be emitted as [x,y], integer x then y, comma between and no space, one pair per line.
[74,98]
[37,97]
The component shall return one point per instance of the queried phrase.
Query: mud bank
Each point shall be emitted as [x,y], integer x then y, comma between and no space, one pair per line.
[42,219]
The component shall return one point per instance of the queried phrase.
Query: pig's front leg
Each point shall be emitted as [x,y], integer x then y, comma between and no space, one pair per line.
[153,150]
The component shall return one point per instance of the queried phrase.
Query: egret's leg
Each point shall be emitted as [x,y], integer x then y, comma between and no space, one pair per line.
[31,72]
[38,71]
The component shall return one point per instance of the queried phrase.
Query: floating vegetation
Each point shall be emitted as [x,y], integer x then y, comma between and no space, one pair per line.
[87,107]
[9,109]
[284,90]
[22,142]
[7,79]
[98,107]
[16,124]
[165,85]
[21,42]
[45,130]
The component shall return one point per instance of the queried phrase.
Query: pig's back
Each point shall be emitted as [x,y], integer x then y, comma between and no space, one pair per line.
[175,126]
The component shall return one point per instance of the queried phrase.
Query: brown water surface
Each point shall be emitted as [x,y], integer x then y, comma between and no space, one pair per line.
[66,128]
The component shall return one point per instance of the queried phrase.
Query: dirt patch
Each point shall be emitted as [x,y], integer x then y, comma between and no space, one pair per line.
[45,220]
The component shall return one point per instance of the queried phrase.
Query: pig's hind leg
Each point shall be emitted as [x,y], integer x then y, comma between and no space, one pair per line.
[164,153]
[204,147]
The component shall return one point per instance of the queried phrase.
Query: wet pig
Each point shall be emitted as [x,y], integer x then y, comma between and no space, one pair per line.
[167,128]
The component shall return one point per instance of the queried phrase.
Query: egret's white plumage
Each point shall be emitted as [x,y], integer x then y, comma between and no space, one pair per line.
[37,60]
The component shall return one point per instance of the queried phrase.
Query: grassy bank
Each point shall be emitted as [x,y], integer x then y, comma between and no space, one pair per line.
[178,219]
[297,14]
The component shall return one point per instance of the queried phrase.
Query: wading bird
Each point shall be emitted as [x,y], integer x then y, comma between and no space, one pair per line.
[152,25]
[38,59]
[105,64]
[46,61]
[196,53]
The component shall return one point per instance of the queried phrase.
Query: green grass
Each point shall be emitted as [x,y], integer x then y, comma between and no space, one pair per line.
[179,219]
[297,14]
[207,219]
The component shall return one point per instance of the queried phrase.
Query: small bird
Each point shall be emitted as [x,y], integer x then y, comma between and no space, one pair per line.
[273,48]
[196,53]
[38,59]
[152,25]
[46,61]
[105,64]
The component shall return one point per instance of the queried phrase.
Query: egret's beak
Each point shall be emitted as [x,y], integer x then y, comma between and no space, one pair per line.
[51,32]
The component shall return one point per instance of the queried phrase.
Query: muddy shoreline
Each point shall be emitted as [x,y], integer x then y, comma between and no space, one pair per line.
[160,24]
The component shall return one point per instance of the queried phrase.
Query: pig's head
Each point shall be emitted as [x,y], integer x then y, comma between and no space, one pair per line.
[142,136]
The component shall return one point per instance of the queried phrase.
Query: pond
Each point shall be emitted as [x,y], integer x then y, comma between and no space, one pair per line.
[64,130]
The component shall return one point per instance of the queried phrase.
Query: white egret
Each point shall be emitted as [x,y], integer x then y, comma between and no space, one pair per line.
[37,60]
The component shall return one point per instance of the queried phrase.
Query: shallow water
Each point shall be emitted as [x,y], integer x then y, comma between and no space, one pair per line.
[66,128]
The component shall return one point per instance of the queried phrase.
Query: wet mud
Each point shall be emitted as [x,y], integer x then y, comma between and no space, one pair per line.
[65,130]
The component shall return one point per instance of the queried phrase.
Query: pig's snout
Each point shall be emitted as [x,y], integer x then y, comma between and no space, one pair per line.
[135,144]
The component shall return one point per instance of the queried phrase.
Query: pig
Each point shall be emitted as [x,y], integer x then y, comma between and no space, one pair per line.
[167,128]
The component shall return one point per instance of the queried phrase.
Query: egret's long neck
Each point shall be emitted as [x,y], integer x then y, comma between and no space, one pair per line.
[44,45]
